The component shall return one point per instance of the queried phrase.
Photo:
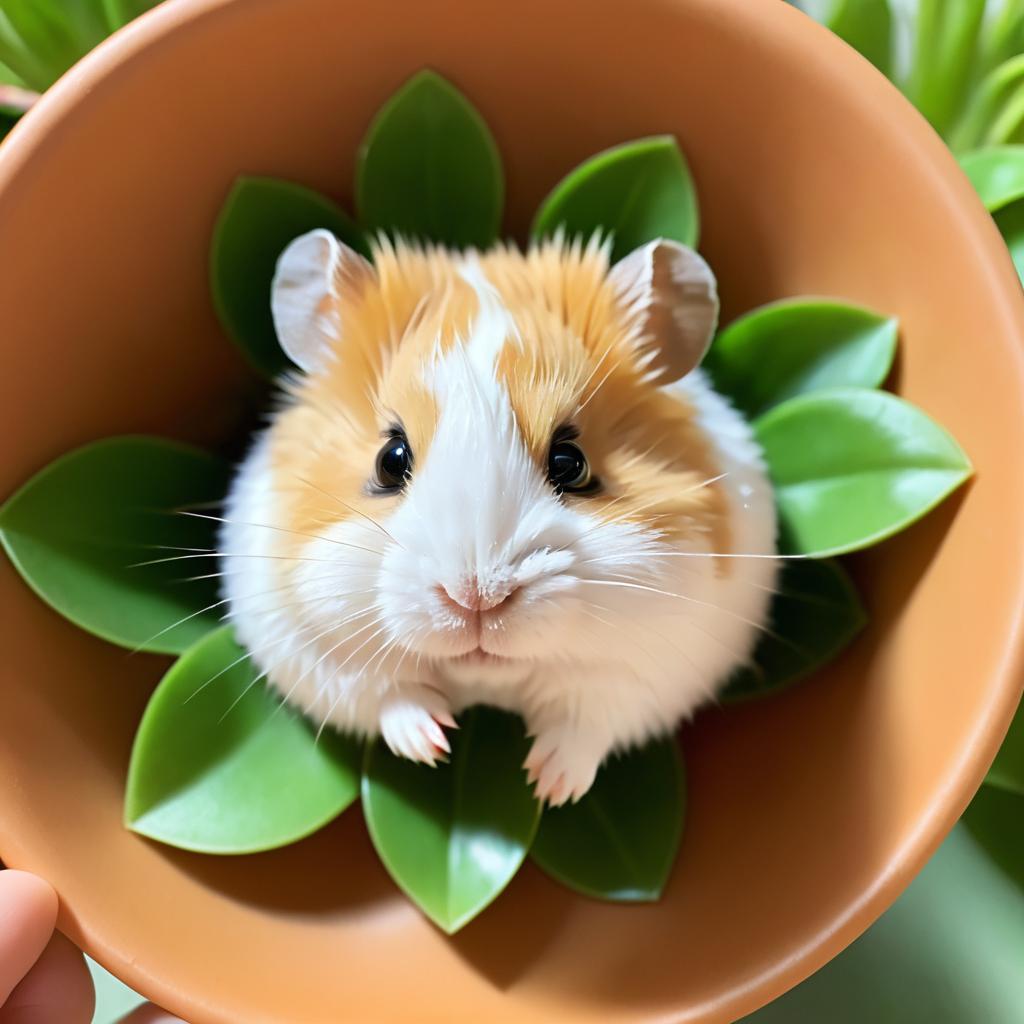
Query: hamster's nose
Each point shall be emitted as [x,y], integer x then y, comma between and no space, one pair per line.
[470,596]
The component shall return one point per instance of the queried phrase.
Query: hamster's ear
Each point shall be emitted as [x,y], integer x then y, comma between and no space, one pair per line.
[311,274]
[673,293]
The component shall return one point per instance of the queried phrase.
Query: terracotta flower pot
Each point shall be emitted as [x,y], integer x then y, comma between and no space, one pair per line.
[809,812]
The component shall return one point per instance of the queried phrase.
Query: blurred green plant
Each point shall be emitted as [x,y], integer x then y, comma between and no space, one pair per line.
[961,62]
[41,39]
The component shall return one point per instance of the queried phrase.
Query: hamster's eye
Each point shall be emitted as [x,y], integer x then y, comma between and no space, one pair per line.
[394,463]
[568,469]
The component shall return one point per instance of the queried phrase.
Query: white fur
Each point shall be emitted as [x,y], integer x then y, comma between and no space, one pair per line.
[612,634]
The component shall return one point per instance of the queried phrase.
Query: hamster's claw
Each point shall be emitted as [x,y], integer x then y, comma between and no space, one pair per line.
[412,731]
[562,765]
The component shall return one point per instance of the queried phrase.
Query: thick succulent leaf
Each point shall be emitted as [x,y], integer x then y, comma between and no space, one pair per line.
[429,168]
[997,173]
[1010,221]
[995,818]
[258,220]
[99,536]
[8,77]
[815,614]
[637,192]
[619,841]
[947,952]
[867,26]
[995,114]
[800,345]
[120,12]
[41,39]
[1007,770]
[453,836]
[945,38]
[219,767]
[1002,35]
[852,467]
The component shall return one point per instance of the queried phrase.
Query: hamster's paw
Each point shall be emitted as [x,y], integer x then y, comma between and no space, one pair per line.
[411,725]
[563,764]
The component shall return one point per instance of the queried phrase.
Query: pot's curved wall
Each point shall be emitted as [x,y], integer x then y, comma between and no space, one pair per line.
[810,812]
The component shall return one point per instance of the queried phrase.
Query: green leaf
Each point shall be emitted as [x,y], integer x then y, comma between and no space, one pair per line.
[1007,770]
[258,220]
[867,26]
[1010,221]
[995,818]
[619,841]
[995,115]
[800,345]
[120,12]
[943,57]
[638,191]
[219,767]
[997,173]
[8,77]
[81,531]
[947,952]
[815,614]
[852,467]
[429,168]
[41,39]
[453,836]
[7,122]
[1002,35]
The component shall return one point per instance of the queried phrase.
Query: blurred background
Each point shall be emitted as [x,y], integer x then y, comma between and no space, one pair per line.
[951,951]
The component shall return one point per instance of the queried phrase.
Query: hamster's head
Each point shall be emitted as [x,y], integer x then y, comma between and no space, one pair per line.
[479,469]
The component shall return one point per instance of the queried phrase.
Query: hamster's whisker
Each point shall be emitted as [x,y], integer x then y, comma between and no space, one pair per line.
[611,625]
[600,384]
[705,483]
[352,508]
[733,554]
[661,636]
[680,597]
[238,661]
[174,625]
[593,372]
[383,652]
[218,604]
[622,517]
[323,657]
[231,554]
[224,574]
[301,603]
[281,529]
[267,672]
[341,692]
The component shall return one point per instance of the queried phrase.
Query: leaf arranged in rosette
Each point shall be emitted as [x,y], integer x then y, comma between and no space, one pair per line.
[795,346]
[219,766]
[852,467]
[100,535]
[453,836]
[997,174]
[619,841]
[258,220]
[815,614]
[635,192]
[429,168]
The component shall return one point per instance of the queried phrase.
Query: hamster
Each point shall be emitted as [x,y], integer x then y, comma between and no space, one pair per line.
[499,478]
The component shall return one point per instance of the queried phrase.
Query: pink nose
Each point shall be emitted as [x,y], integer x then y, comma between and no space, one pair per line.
[471,597]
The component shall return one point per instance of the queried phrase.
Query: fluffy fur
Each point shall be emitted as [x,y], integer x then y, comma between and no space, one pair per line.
[602,619]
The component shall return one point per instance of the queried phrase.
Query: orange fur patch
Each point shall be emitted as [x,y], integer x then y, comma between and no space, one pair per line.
[573,360]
